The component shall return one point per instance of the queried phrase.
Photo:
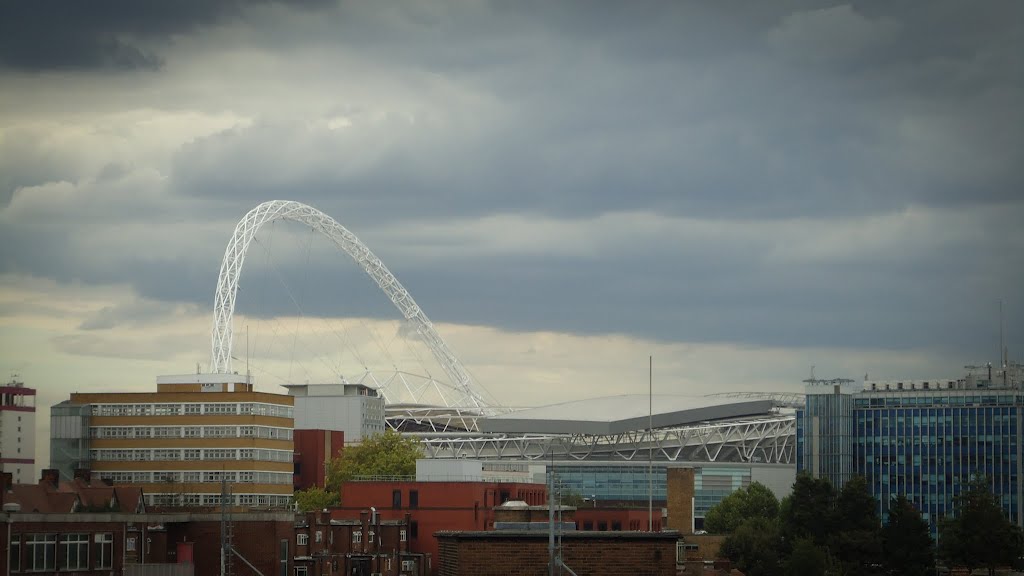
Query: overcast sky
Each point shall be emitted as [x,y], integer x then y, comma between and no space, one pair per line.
[564,187]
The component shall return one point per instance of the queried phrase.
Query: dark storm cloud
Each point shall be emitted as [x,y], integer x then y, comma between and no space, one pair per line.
[826,111]
[777,118]
[67,34]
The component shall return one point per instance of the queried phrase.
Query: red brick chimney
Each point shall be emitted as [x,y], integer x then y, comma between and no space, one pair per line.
[50,477]
[404,546]
[85,475]
[363,516]
[6,480]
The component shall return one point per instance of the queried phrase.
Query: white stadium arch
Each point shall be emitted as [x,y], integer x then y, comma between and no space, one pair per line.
[460,394]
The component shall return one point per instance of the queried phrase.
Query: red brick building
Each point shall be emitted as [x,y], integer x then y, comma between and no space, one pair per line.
[359,547]
[514,553]
[313,450]
[434,506]
[102,543]
[616,519]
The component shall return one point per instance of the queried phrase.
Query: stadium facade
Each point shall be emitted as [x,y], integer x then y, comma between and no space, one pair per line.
[616,450]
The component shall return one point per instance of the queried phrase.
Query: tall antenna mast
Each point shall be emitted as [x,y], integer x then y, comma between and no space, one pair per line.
[1002,349]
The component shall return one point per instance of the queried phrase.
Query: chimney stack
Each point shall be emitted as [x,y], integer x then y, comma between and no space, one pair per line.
[6,480]
[50,477]
[84,474]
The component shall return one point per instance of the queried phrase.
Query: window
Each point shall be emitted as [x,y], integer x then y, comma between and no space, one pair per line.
[15,561]
[357,537]
[602,525]
[42,551]
[75,553]
[414,529]
[408,565]
[401,535]
[616,525]
[283,555]
[301,571]
[320,535]
[414,498]
[195,409]
[301,539]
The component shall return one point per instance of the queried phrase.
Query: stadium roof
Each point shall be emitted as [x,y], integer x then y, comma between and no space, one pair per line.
[618,414]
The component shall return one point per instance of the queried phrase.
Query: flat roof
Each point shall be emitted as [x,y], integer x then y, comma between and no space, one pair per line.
[567,535]
[625,413]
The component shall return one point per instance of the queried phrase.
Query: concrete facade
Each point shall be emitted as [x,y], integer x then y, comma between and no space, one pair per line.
[18,431]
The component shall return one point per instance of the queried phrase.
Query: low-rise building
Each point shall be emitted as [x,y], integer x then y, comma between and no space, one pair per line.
[434,506]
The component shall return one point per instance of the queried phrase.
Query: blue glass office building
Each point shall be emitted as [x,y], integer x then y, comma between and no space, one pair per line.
[923,439]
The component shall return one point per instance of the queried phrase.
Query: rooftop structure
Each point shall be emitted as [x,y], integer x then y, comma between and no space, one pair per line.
[356,410]
[626,413]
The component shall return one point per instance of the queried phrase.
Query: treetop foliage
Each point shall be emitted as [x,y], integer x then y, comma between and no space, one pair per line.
[315,498]
[979,535]
[387,454]
[754,501]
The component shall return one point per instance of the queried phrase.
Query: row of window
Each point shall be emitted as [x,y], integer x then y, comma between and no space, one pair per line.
[271,432]
[407,566]
[357,537]
[255,500]
[39,552]
[189,454]
[194,409]
[191,477]
[953,400]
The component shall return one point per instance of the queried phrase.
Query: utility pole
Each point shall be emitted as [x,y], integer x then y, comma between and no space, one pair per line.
[650,443]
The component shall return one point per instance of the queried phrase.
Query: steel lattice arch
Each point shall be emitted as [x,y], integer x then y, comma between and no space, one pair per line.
[452,430]
[460,394]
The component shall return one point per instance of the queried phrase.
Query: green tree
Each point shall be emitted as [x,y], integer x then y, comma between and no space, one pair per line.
[856,545]
[809,512]
[907,547]
[754,501]
[570,497]
[979,535]
[388,454]
[754,546]
[315,498]
[807,559]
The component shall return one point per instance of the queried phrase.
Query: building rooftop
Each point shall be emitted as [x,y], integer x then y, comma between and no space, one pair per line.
[625,413]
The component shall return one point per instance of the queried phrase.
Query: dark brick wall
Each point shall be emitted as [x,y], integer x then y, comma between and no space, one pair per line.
[521,555]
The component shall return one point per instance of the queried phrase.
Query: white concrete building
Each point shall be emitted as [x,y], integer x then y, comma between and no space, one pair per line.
[18,432]
[355,409]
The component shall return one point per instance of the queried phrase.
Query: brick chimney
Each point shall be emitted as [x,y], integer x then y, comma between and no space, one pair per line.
[404,546]
[50,477]
[364,522]
[84,474]
[6,480]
